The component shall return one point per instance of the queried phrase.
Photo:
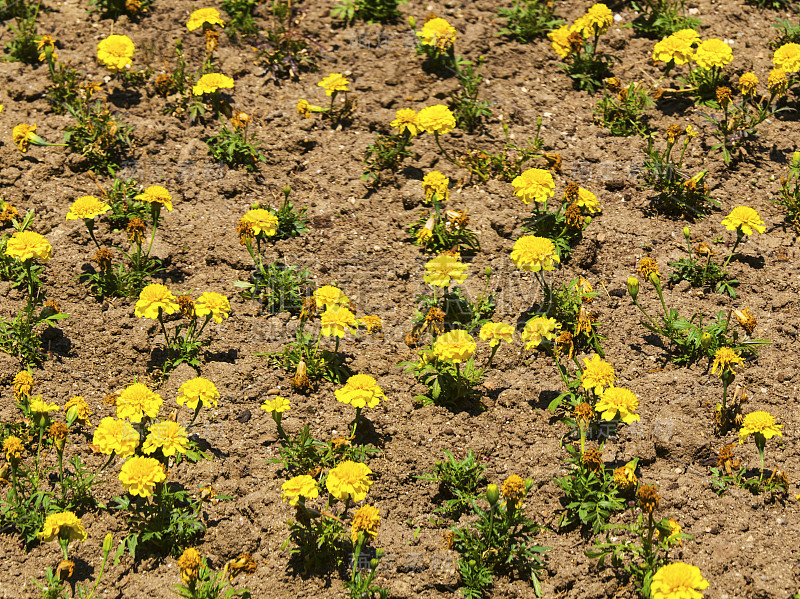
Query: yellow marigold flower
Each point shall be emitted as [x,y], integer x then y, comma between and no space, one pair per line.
[361,390]
[26,245]
[436,183]
[618,402]
[43,44]
[443,270]
[23,384]
[597,373]
[328,295]
[366,519]
[713,53]
[349,479]
[304,108]
[214,304]
[596,21]
[437,33]
[436,119]
[674,530]
[204,15]
[532,254]
[534,184]
[39,406]
[586,199]
[744,218]
[86,208]
[673,48]
[689,35]
[64,525]
[559,40]
[513,490]
[337,320]
[279,405]
[455,346]
[115,52]
[647,266]
[678,581]
[335,82]
[262,221]
[137,401]
[759,423]
[77,409]
[748,84]
[778,82]
[406,120]
[23,134]
[167,435]
[537,329]
[196,391]
[139,476]
[154,297]
[13,448]
[211,82]
[297,487]
[495,332]
[787,58]
[155,194]
[371,322]
[190,563]
[625,479]
[113,435]
[725,359]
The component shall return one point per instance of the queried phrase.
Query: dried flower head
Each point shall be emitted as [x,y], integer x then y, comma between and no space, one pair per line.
[212,40]
[371,322]
[647,266]
[583,414]
[726,459]
[136,230]
[300,382]
[7,213]
[77,409]
[186,307]
[746,320]
[104,259]
[116,52]
[434,320]
[592,459]
[240,119]
[674,131]
[573,218]
[58,433]
[723,96]
[23,384]
[625,479]
[613,84]
[366,519]
[241,564]
[648,498]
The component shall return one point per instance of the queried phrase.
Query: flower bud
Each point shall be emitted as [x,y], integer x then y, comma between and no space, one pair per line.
[654,279]
[255,205]
[586,221]
[633,287]
[492,494]
[705,341]
[686,233]
[412,22]
[379,552]
[796,159]
[107,542]
[373,563]
[487,271]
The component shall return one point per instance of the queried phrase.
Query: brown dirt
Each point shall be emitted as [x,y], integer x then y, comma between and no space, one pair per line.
[745,545]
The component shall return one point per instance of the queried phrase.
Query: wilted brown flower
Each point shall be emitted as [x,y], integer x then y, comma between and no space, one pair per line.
[583,414]
[646,267]
[240,119]
[572,192]
[613,84]
[246,231]
[136,230]
[163,84]
[212,40]
[592,459]
[726,460]
[565,342]
[674,131]
[186,307]
[300,382]
[65,569]
[244,564]
[723,96]
[746,320]
[7,213]
[133,6]
[573,218]
[575,41]
[554,161]
[104,258]
[648,498]
[435,320]
[58,433]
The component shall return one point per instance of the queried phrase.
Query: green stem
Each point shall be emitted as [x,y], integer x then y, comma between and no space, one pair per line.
[61,476]
[355,422]
[442,150]
[739,237]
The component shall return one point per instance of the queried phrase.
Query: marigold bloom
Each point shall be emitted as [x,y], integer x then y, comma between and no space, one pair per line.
[23,384]
[678,581]
[532,254]
[304,108]
[190,563]
[746,320]
[64,525]
[26,245]
[673,48]
[778,82]
[787,58]
[213,304]
[154,297]
[211,82]
[495,332]
[13,448]
[647,266]
[748,84]
[725,359]
[77,409]
[689,35]
[586,199]
[204,15]
[113,435]
[560,42]
[366,519]
[625,479]
[371,322]
[278,405]
[139,476]
[335,82]
[759,423]
[169,436]
[436,119]
[596,21]
[87,208]
[597,374]
[406,120]
[618,402]
[155,194]
[43,44]
[262,221]
[513,490]
[23,134]
[361,390]
[713,53]
[197,391]
[137,401]
[537,329]
[744,218]
[328,295]
[115,52]
[443,270]
[349,479]
[437,33]
[38,406]
[337,320]
[455,346]
[534,184]
[436,183]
